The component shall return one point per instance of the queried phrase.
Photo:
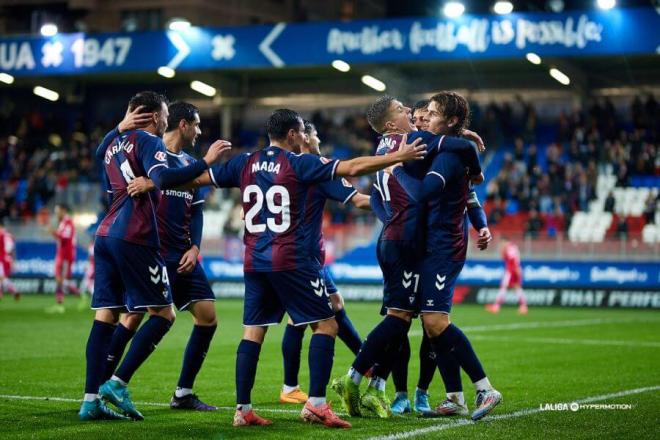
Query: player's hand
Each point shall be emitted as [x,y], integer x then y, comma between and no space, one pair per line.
[189,260]
[215,151]
[139,185]
[477,179]
[413,151]
[134,119]
[484,238]
[474,137]
[390,169]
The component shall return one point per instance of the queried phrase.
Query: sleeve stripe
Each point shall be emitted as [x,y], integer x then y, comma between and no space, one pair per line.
[350,196]
[155,166]
[197,202]
[212,177]
[444,182]
[334,169]
[440,143]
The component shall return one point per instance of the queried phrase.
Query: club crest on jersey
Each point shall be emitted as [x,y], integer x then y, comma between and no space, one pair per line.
[160,156]
[346,183]
[123,145]
[324,160]
[269,167]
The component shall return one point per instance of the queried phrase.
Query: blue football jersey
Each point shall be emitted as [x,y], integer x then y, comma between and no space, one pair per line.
[133,154]
[447,233]
[174,210]
[339,190]
[274,184]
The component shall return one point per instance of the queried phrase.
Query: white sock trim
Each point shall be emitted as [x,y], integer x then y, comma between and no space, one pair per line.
[90,397]
[483,384]
[316,401]
[118,380]
[287,389]
[457,397]
[355,376]
[182,392]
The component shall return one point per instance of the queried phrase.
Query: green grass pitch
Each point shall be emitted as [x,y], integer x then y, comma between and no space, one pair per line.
[551,356]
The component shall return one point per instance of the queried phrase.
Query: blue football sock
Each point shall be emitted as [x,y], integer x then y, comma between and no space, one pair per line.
[454,340]
[120,339]
[383,340]
[144,343]
[321,354]
[193,358]
[291,348]
[347,332]
[427,364]
[96,352]
[247,357]
[450,370]
[400,366]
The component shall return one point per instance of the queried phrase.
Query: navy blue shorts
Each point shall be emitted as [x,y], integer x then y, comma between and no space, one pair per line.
[300,293]
[438,278]
[129,276]
[187,288]
[330,286]
[399,264]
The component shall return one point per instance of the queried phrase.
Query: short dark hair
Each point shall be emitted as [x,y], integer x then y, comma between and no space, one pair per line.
[180,110]
[453,104]
[64,206]
[421,104]
[309,127]
[151,101]
[281,121]
[378,113]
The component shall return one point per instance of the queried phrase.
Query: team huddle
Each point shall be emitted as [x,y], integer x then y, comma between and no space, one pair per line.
[147,247]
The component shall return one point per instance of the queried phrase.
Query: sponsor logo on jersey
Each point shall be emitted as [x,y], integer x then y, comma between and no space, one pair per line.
[175,193]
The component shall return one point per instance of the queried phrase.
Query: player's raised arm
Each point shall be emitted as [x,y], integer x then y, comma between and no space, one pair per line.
[165,178]
[370,164]
[444,167]
[133,120]
[466,149]
[362,201]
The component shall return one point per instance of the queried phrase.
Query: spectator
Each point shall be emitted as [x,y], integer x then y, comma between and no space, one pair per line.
[534,224]
[650,208]
[622,228]
[609,203]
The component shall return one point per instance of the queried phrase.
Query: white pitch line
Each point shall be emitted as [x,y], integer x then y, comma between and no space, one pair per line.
[541,324]
[569,341]
[513,415]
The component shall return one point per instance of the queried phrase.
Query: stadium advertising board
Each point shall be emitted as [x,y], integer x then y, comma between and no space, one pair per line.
[367,41]
[36,260]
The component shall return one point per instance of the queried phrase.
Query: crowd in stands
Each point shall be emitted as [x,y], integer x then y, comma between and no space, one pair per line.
[549,184]
[549,169]
[39,159]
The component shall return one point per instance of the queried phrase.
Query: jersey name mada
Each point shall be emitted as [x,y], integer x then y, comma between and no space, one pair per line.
[269,167]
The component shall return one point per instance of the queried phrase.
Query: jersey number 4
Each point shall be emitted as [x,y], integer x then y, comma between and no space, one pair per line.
[126,171]
[283,208]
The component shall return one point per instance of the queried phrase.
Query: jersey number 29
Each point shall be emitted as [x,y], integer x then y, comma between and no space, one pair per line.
[283,208]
